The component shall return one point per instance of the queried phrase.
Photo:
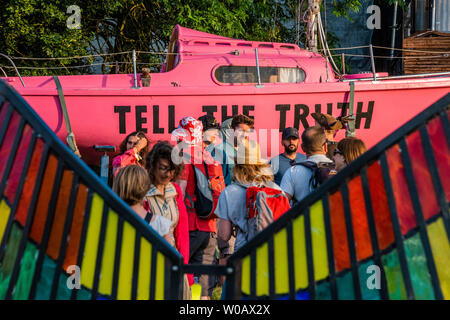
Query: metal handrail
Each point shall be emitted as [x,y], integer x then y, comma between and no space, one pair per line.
[408,76]
[15,68]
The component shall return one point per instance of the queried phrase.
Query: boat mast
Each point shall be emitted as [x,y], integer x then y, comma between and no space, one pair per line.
[312,24]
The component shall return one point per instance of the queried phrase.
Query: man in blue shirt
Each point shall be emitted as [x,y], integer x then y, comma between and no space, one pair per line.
[282,162]
[296,182]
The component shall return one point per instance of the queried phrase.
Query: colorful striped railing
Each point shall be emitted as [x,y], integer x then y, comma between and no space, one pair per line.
[389,208]
[55,213]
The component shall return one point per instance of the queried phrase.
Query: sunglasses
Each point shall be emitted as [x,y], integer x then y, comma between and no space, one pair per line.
[166,169]
[337,151]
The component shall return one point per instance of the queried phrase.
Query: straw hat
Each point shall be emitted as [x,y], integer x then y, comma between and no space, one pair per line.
[249,153]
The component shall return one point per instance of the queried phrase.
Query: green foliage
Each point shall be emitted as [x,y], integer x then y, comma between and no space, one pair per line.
[147,25]
[34,28]
[37,28]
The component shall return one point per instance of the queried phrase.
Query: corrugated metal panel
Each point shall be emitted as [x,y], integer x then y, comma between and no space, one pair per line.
[422,17]
[443,15]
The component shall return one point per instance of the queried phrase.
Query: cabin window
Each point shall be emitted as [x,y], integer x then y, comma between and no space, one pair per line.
[249,74]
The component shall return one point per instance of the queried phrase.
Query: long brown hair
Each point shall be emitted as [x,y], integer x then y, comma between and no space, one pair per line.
[143,152]
[351,148]
[131,184]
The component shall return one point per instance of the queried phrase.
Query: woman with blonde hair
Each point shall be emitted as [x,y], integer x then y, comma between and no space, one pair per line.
[131,185]
[348,149]
[249,170]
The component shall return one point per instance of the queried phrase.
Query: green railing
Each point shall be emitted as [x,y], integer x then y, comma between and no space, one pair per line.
[379,229]
[61,227]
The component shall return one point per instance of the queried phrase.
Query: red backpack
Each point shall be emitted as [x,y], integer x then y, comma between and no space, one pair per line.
[264,206]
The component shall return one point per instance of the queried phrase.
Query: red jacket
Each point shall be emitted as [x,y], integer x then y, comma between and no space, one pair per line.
[196,223]
[123,160]
[181,232]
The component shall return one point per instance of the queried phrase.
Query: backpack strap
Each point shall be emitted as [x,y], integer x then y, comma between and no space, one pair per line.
[148,216]
[313,166]
[206,170]
[308,164]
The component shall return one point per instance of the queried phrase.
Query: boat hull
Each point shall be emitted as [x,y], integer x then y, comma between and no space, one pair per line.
[105,116]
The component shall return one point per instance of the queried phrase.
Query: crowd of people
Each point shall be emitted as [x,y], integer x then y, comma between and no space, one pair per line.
[208,191]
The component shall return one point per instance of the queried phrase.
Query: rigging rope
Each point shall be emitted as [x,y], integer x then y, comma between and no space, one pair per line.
[323,39]
[389,57]
[74,57]
[82,66]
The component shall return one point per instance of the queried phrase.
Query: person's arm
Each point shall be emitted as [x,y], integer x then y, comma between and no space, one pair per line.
[287,184]
[182,184]
[224,229]
[167,237]
[224,224]
[121,161]
[183,179]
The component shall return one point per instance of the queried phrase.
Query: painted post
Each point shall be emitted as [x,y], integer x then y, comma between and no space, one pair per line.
[259,85]
[134,70]
[372,62]
[350,132]
[343,62]
[104,162]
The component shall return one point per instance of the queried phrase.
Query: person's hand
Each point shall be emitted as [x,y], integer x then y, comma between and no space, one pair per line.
[346,119]
[142,143]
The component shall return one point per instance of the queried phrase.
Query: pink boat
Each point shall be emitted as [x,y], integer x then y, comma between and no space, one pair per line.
[278,84]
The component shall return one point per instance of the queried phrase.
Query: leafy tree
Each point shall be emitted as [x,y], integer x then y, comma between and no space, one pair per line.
[147,25]
[37,28]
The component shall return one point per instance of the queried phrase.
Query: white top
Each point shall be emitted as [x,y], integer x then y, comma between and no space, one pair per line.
[296,179]
[161,225]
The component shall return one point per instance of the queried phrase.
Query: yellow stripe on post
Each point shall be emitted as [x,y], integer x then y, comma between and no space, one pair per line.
[106,275]
[91,246]
[301,271]
[281,262]
[262,270]
[160,274]
[5,211]
[143,290]
[440,247]
[245,275]
[319,242]
[126,262]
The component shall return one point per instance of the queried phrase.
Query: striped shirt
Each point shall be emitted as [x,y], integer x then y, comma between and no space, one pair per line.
[164,205]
